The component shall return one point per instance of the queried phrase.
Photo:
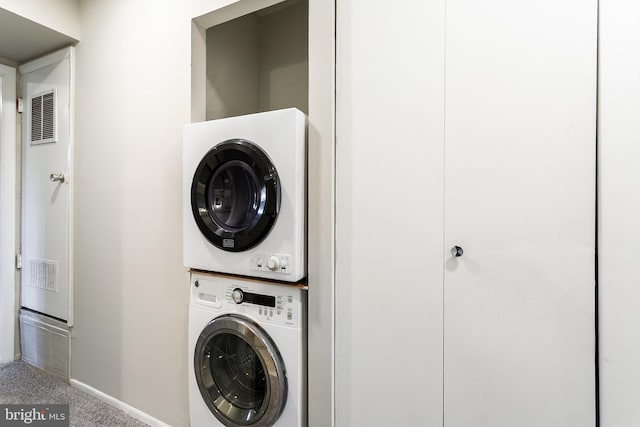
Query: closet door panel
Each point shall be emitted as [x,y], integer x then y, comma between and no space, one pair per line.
[520,95]
[389,207]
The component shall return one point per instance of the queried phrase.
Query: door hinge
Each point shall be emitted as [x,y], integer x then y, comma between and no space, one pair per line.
[20,105]
[18,261]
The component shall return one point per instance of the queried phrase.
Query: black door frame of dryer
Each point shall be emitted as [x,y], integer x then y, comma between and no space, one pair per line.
[235,195]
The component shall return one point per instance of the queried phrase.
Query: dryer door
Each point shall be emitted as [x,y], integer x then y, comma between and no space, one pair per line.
[235,195]
[240,373]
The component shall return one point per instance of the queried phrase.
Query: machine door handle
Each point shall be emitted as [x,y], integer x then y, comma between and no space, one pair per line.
[457,251]
[57,177]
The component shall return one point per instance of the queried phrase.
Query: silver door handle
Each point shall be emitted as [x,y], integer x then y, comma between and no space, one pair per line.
[57,177]
[457,251]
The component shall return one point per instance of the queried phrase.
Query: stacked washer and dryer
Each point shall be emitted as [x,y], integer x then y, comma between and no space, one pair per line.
[245,245]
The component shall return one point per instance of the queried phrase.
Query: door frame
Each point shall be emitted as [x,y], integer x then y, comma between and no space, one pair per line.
[8,187]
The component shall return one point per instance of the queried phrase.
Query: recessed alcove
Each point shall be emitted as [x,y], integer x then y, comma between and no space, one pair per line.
[258,62]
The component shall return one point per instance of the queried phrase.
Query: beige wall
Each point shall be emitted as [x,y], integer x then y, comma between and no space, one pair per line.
[133,80]
[258,62]
[284,63]
[232,68]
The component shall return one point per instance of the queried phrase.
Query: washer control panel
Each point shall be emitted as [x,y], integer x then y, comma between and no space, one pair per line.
[276,304]
[282,307]
[277,263]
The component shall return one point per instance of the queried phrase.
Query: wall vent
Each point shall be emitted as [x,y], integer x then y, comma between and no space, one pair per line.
[43,118]
[43,274]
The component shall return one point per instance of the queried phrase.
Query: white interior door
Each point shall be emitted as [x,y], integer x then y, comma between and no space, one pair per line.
[7,211]
[46,200]
[519,337]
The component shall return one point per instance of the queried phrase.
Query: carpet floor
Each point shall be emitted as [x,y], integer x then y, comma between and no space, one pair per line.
[23,384]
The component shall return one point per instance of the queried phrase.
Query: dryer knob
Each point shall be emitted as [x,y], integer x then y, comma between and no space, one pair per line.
[273,263]
[237,295]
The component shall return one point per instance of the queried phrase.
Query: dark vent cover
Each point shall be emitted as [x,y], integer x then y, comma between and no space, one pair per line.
[43,118]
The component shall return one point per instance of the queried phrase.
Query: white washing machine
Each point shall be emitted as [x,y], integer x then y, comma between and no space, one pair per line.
[247,352]
[244,186]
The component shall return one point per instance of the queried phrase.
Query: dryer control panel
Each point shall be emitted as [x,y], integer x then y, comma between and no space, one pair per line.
[277,263]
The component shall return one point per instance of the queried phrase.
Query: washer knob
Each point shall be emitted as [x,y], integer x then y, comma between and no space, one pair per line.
[273,263]
[237,296]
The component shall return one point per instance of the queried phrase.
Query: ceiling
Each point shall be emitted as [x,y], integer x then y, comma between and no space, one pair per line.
[22,39]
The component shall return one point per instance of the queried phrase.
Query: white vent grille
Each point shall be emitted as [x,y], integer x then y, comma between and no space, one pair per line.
[43,118]
[36,119]
[43,274]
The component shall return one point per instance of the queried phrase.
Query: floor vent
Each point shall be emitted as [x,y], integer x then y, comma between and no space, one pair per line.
[45,343]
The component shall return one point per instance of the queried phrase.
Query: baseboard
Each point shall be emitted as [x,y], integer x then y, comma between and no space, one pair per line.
[127,409]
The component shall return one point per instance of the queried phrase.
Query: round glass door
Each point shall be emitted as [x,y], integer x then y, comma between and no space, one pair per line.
[235,195]
[239,372]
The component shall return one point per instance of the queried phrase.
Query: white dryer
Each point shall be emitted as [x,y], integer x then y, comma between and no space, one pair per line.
[244,186]
[247,350]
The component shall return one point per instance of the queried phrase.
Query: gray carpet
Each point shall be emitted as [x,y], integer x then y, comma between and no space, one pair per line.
[24,384]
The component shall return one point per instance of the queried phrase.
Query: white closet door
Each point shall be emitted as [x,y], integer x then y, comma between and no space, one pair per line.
[389,185]
[520,109]
[46,187]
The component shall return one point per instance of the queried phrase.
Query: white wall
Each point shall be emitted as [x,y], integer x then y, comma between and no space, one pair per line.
[59,15]
[131,290]
[619,210]
[321,215]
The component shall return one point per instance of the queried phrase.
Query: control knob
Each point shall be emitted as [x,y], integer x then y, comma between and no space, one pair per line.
[237,296]
[273,263]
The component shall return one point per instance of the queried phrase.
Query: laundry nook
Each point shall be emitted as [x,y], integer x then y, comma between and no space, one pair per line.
[319,213]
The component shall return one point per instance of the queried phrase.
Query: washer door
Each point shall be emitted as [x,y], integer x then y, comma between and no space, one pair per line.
[240,373]
[235,195]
